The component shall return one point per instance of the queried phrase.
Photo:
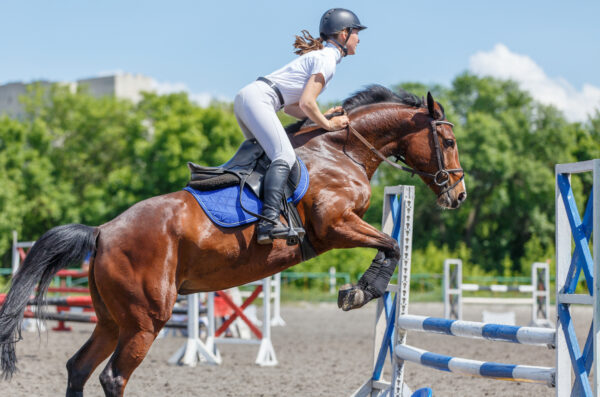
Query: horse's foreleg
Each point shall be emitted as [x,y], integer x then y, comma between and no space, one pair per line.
[372,284]
[357,233]
[90,355]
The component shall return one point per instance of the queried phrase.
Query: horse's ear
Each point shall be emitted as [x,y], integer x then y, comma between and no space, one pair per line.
[431,105]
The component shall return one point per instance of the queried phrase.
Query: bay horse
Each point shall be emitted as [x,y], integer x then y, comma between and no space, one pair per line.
[166,245]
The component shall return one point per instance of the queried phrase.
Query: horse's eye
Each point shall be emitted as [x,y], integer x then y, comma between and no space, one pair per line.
[449,143]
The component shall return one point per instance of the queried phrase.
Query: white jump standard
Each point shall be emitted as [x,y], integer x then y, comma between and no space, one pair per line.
[538,291]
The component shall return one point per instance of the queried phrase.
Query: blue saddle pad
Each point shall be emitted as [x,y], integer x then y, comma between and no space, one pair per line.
[223,206]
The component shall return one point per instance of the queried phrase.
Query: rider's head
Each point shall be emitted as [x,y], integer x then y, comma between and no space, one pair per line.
[341,26]
[338,25]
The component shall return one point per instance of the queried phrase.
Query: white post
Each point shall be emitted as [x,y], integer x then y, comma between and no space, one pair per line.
[563,258]
[453,288]
[332,280]
[194,349]
[277,320]
[210,344]
[15,253]
[266,352]
[540,294]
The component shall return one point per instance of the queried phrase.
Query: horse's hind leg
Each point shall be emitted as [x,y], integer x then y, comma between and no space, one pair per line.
[97,348]
[131,349]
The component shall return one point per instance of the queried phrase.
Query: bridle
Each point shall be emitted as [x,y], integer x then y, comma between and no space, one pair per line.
[441,178]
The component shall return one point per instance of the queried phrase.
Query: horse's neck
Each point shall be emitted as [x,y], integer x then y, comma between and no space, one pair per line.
[385,126]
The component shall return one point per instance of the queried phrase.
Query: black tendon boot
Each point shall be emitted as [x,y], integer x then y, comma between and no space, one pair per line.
[274,190]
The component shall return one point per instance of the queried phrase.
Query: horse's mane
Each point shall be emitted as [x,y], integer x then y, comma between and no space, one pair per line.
[372,94]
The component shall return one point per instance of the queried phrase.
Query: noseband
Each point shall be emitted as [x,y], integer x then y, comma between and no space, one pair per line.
[441,178]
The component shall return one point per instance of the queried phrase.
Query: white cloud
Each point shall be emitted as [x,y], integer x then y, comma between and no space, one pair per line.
[501,63]
[200,98]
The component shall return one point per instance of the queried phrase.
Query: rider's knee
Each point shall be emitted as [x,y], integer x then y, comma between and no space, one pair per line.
[289,156]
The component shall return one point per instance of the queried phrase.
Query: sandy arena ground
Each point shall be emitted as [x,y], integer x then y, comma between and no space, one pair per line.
[322,351]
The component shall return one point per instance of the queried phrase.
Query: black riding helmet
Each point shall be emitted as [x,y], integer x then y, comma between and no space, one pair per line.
[336,20]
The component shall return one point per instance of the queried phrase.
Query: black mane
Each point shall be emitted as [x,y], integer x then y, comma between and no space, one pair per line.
[377,94]
[372,94]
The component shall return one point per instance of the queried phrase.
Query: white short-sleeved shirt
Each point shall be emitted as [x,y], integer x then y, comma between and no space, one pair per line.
[292,78]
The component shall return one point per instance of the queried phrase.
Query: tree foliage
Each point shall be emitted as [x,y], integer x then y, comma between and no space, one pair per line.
[76,158]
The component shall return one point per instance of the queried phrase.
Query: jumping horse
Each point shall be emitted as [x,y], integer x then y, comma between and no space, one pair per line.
[166,245]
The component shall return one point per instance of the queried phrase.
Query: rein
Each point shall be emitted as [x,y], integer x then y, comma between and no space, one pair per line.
[440,178]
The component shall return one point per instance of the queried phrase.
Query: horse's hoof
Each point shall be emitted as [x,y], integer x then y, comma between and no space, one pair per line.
[350,297]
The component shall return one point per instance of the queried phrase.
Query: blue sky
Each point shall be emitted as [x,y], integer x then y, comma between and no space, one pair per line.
[215,48]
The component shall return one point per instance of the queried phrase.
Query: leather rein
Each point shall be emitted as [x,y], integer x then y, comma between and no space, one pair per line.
[441,178]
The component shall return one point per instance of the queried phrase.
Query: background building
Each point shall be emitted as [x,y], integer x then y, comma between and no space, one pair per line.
[124,86]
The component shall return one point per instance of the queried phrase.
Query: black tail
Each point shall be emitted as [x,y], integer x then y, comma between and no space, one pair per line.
[55,250]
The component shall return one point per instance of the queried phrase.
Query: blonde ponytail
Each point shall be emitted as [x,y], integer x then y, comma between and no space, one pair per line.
[307,43]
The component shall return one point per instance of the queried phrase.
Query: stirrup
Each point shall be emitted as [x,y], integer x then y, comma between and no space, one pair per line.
[279,231]
[292,235]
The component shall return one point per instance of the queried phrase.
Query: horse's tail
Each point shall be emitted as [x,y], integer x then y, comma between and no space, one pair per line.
[55,250]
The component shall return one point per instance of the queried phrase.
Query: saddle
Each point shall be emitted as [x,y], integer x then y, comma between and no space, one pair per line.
[247,166]
[247,169]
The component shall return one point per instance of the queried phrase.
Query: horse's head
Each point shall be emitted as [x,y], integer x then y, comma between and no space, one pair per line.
[432,151]
[387,124]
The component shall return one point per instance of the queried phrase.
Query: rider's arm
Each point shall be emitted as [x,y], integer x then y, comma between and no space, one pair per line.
[294,111]
[308,104]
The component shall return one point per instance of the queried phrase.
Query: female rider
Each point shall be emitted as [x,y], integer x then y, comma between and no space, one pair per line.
[295,88]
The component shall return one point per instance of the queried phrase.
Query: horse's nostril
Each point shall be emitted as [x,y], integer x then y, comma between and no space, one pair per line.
[462,196]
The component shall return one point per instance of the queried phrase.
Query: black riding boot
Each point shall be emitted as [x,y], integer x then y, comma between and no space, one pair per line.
[274,189]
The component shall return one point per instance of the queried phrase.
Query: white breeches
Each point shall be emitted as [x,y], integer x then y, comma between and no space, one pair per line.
[255,108]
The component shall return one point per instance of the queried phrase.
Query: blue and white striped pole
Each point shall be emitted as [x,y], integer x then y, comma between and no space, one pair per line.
[519,373]
[471,329]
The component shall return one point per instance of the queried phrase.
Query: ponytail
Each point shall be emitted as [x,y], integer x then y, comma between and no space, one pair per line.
[307,43]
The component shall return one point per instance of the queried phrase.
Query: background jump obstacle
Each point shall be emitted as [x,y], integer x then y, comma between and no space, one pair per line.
[195,350]
[539,291]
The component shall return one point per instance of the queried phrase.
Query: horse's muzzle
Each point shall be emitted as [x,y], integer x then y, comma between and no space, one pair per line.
[452,199]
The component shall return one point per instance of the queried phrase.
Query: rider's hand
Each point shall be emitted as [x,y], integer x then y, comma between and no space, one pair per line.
[333,110]
[338,123]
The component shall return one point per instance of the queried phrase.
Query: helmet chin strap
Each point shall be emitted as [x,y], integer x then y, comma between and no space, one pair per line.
[343,47]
